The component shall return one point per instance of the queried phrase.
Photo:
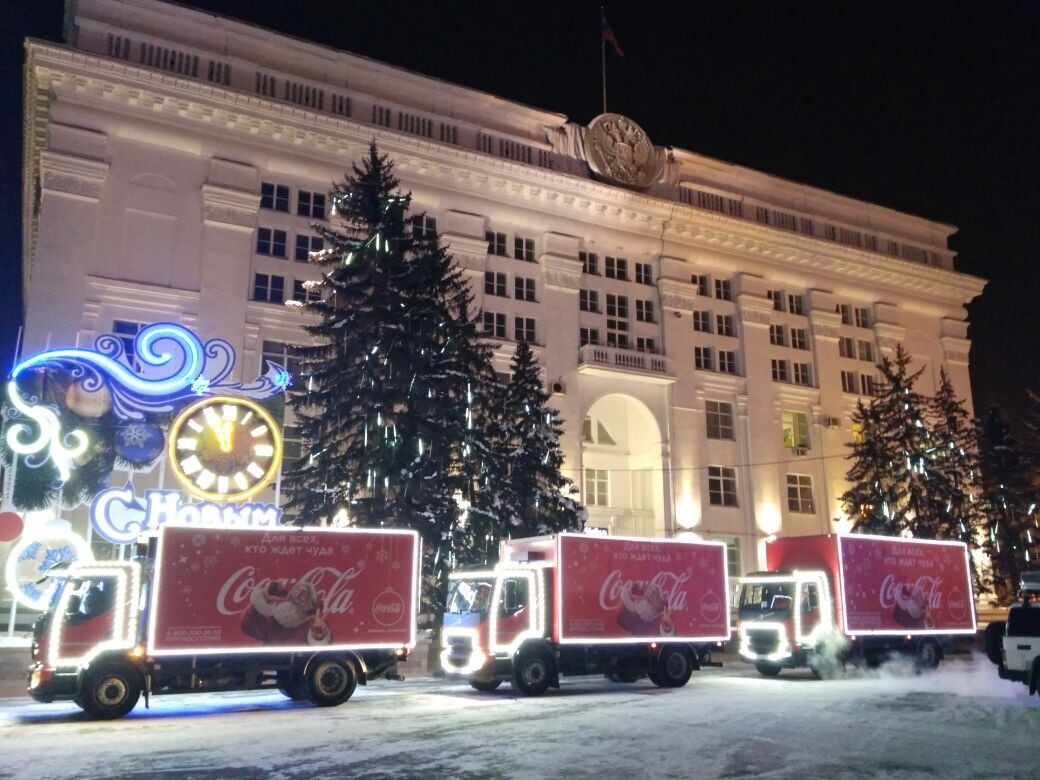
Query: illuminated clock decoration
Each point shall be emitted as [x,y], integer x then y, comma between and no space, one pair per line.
[225,448]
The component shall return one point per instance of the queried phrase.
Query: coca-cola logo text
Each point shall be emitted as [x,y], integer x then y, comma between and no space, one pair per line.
[711,606]
[388,608]
[330,583]
[928,586]
[670,585]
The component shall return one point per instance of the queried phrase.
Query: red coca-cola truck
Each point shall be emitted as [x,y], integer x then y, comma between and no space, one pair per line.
[829,599]
[311,612]
[576,604]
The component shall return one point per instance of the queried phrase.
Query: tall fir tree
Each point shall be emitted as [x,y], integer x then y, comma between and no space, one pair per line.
[393,392]
[888,478]
[1012,529]
[535,497]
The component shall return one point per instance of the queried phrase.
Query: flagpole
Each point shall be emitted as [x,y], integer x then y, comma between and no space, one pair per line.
[603,55]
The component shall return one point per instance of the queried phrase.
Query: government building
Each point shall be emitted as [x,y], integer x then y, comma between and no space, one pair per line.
[705,330]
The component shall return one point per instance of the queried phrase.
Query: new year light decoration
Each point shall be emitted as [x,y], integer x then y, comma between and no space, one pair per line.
[60,449]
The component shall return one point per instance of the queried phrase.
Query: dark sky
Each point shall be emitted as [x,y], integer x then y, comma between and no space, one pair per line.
[927,107]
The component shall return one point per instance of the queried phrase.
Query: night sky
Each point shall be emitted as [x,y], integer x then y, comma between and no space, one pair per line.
[925,107]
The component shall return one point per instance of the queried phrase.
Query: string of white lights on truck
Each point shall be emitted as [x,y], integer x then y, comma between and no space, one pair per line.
[128,576]
[784,649]
[534,574]
[477,659]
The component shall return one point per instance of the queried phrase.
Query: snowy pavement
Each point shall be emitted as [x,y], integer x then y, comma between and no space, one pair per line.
[962,721]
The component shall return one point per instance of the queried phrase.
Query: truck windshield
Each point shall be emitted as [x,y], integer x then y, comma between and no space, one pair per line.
[469,596]
[90,597]
[766,600]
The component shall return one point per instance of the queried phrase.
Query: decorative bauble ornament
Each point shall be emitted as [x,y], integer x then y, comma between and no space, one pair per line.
[33,556]
[11,526]
[86,402]
[139,442]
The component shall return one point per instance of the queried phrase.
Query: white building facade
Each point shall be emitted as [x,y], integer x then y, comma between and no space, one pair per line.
[706,329]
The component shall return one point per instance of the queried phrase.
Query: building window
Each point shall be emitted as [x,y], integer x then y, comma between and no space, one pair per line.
[719,418]
[268,287]
[799,493]
[799,338]
[270,242]
[777,297]
[645,311]
[341,104]
[727,361]
[848,382]
[857,433]
[617,339]
[594,432]
[802,373]
[646,344]
[310,204]
[523,248]
[722,290]
[588,300]
[424,226]
[495,324]
[796,304]
[862,317]
[795,426]
[762,215]
[702,321]
[867,385]
[305,244]
[494,284]
[274,197]
[380,115]
[617,320]
[724,325]
[588,336]
[805,225]
[644,273]
[524,329]
[282,354]
[616,268]
[700,281]
[866,351]
[127,332]
[702,358]
[597,487]
[846,347]
[733,564]
[779,368]
[496,243]
[305,294]
[523,288]
[722,486]
[846,313]
[589,263]
[776,335]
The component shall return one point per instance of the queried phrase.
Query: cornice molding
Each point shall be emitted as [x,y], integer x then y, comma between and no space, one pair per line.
[89,79]
[76,177]
[561,273]
[235,208]
[676,295]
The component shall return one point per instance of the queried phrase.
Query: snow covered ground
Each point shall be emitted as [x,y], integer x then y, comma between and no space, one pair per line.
[962,721]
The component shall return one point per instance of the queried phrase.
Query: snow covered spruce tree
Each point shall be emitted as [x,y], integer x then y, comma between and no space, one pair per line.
[1011,535]
[534,495]
[889,476]
[392,396]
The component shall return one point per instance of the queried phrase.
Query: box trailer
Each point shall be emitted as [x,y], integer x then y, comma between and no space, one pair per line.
[574,604]
[828,599]
[311,612]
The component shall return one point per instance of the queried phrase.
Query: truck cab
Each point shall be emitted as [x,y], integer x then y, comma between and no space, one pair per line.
[783,618]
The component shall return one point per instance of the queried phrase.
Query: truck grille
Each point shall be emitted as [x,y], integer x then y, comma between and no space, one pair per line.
[763,642]
[460,648]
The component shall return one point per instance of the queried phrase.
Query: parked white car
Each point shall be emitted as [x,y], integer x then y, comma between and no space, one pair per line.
[1019,653]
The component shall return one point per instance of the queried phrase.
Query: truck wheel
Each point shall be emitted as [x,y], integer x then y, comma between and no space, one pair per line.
[531,672]
[330,682]
[826,667]
[928,655]
[485,685]
[109,691]
[1034,678]
[291,686]
[674,668]
[767,669]
[994,641]
[624,676]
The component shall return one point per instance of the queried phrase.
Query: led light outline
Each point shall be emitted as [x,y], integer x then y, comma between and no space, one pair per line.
[638,640]
[155,591]
[535,621]
[783,650]
[908,631]
[192,348]
[477,658]
[216,497]
[49,438]
[797,578]
[125,620]
[83,553]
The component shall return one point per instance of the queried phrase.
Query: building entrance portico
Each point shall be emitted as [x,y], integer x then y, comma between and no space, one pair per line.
[623,467]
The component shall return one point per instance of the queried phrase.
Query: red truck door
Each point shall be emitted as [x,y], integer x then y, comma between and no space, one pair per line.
[88,616]
[809,607]
[512,620]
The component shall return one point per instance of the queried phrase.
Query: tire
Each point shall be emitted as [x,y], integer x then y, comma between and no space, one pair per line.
[767,669]
[826,668]
[532,671]
[110,691]
[674,667]
[927,655]
[624,676]
[485,685]
[654,676]
[1034,678]
[994,641]
[330,682]
[291,686]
